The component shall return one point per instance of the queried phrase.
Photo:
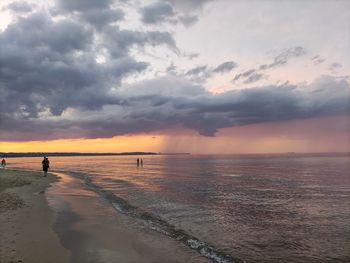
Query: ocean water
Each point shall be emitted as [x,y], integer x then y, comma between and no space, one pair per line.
[250,208]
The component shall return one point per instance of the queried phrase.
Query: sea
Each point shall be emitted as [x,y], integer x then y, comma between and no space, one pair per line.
[230,208]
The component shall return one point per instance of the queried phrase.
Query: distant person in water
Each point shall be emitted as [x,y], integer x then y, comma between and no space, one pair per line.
[3,163]
[138,162]
[141,162]
[46,165]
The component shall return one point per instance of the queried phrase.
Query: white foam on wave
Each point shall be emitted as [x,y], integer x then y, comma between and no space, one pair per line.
[155,223]
[212,255]
[194,243]
[158,229]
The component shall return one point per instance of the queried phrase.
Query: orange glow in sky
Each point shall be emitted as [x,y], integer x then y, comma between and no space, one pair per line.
[311,135]
[115,144]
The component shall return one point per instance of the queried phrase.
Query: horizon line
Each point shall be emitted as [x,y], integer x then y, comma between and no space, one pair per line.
[172,153]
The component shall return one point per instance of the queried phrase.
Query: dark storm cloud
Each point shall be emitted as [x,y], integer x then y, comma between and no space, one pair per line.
[189,5]
[82,5]
[119,42]
[95,12]
[163,11]
[53,87]
[172,102]
[225,67]
[20,7]
[102,17]
[193,107]
[157,12]
[172,11]
[47,66]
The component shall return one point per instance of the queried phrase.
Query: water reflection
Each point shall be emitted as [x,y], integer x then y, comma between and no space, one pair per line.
[259,209]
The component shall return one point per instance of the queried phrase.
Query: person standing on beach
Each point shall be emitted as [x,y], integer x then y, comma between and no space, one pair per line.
[141,162]
[138,162]
[3,163]
[46,165]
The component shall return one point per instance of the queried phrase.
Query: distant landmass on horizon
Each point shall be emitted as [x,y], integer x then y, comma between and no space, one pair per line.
[52,154]
[40,154]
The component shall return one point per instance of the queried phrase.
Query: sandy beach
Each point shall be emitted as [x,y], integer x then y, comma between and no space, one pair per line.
[52,219]
[26,219]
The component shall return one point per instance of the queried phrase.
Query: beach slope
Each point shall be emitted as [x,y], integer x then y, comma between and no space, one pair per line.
[26,220]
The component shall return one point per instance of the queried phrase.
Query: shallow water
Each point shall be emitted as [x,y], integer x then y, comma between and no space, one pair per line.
[256,208]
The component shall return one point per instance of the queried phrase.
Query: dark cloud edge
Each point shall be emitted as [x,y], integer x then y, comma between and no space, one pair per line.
[147,107]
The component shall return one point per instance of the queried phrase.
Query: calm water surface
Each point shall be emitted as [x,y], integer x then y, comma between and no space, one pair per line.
[260,209]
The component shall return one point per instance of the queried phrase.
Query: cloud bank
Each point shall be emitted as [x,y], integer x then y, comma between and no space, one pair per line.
[62,75]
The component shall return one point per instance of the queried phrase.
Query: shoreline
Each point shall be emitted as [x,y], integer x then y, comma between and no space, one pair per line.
[65,221]
[26,219]
[104,234]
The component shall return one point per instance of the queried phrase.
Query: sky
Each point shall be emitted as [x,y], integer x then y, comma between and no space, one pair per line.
[198,76]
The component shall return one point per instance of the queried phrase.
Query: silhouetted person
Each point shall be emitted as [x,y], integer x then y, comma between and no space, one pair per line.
[141,162]
[138,162]
[46,165]
[3,163]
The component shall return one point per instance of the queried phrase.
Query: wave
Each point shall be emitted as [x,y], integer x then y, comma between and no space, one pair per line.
[160,225]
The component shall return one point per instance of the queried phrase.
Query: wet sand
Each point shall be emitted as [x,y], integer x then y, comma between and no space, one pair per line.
[95,232]
[68,222]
